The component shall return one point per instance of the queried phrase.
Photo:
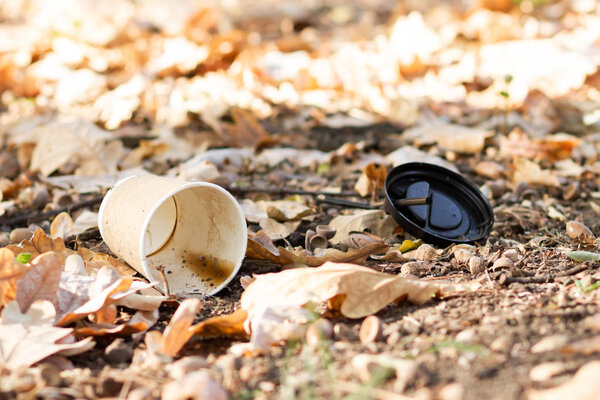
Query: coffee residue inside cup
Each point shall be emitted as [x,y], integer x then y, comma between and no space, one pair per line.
[211,271]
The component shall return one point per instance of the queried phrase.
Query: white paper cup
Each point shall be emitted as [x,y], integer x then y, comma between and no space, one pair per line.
[195,230]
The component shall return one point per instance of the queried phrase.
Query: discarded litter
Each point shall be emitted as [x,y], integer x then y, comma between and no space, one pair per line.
[194,233]
[437,205]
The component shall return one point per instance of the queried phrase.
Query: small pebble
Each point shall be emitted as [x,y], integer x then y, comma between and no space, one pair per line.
[318,331]
[9,166]
[17,235]
[119,352]
[413,267]
[184,366]
[572,191]
[550,343]
[40,198]
[50,373]
[141,393]
[497,187]
[4,239]
[476,265]
[512,254]
[577,230]
[426,252]
[370,330]
[452,391]
[502,344]
[75,265]
[489,169]
[543,372]
[467,336]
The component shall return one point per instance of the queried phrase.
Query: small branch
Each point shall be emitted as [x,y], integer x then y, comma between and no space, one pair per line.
[505,280]
[572,271]
[18,220]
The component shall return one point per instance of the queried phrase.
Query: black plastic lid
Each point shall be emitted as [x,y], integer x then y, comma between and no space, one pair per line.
[437,205]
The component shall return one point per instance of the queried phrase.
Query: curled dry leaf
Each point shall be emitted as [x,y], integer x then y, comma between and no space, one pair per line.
[223,325]
[375,221]
[10,272]
[41,281]
[42,243]
[140,322]
[178,332]
[261,247]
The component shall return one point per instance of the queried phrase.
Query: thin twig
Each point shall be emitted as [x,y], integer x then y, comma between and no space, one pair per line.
[163,278]
[283,190]
[42,215]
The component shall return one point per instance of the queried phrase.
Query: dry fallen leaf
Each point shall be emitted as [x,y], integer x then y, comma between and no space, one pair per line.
[584,385]
[223,325]
[245,130]
[41,281]
[552,148]
[42,243]
[530,172]
[95,260]
[375,221]
[10,272]
[261,247]
[458,138]
[25,343]
[371,179]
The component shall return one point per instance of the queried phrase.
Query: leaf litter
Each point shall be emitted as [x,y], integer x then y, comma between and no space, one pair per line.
[112,89]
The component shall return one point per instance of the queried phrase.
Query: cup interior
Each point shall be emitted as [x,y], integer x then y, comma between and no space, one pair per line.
[198,234]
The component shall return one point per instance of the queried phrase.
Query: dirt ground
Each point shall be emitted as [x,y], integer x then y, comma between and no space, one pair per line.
[259,92]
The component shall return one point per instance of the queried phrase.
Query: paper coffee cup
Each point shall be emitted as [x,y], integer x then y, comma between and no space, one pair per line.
[195,230]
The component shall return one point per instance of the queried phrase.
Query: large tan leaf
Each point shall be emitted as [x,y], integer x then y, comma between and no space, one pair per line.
[41,281]
[10,272]
[273,305]
[366,291]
